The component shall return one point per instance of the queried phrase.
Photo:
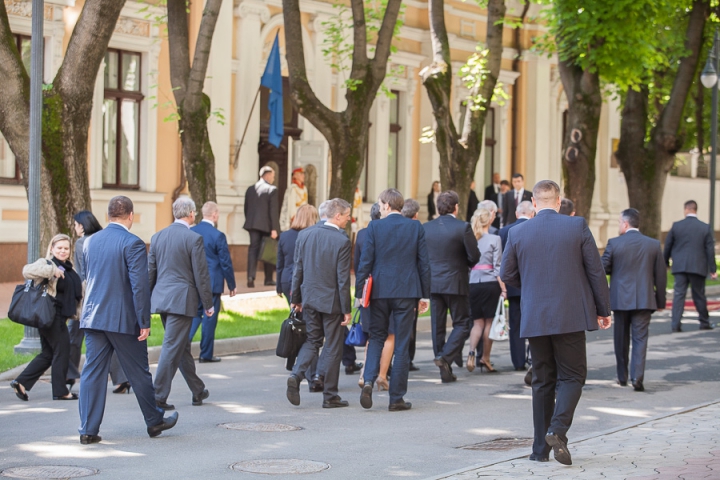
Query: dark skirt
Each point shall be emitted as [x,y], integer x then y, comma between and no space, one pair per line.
[484,299]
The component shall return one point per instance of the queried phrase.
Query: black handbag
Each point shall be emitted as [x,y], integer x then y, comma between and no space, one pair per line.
[32,306]
[293,333]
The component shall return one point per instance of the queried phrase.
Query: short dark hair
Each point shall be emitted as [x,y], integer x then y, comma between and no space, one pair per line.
[446,202]
[120,207]
[375,211]
[88,221]
[518,175]
[505,182]
[393,198]
[631,216]
[691,205]
[566,206]
[411,208]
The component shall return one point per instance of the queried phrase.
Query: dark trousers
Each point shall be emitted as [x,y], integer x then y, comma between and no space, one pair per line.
[459,307]
[133,357]
[697,285]
[413,337]
[175,354]
[349,356]
[76,338]
[518,351]
[322,325]
[559,371]
[400,312]
[55,343]
[254,252]
[209,324]
[637,321]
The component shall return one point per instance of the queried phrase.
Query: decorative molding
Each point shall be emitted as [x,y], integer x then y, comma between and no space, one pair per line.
[131,26]
[252,7]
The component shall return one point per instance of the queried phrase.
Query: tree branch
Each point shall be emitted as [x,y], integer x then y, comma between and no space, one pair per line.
[198,71]
[385,35]
[359,56]
[179,43]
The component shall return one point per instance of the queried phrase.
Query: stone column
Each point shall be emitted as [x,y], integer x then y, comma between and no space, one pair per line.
[536,119]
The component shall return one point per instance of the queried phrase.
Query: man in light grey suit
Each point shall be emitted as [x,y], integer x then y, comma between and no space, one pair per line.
[116,318]
[555,260]
[178,274]
[321,290]
[637,289]
[691,245]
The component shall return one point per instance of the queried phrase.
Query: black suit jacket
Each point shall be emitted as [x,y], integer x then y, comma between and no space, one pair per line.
[431,206]
[262,212]
[490,193]
[473,203]
[637,272]
[285,254]
[555,259]
[691,246]
[359,243]
[511,291]
[452,250]
[509,205]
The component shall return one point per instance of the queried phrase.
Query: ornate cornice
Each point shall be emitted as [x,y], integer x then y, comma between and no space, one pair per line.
[132,26]
[253,7]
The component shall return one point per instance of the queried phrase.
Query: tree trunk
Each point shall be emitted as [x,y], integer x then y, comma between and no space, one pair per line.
[460,150]
[582,89]
[198,158]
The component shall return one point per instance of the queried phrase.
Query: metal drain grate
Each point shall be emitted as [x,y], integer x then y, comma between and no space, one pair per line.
[500,444]
[280,466]
[260,427]
[48,471]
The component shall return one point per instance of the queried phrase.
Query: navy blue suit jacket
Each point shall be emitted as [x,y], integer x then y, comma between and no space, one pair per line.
[218,258]
[555,259]
[357,254]
[117,295]
[511,291]
[691,245]
[285,257]
[394,252]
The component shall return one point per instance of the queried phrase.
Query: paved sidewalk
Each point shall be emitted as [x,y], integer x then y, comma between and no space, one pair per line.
[683,445]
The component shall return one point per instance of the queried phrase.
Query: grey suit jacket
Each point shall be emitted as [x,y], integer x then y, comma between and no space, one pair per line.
[262,212]
[452,250]
[321,280]
[691,246]
[178,272]
[638,274]
[555,260]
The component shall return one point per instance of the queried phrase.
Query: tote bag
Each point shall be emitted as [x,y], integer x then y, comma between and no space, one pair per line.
[499,330]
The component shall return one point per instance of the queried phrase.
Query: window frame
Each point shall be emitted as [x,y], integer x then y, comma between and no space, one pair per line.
[395,128]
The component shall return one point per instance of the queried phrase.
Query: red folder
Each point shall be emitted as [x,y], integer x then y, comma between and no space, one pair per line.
[367,291]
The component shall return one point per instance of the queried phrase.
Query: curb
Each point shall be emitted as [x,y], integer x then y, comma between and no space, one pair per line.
[579,440]
[223,347]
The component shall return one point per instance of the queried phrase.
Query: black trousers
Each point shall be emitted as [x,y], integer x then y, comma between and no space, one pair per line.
[637,321]
[459,307]
[697,286]
[559,371]
[254,252]
[518,352]
[55,343]
[413,337]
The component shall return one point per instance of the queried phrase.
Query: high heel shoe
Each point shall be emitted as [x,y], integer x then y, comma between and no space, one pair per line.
[123,388]
[487,367]
[382,384]
[471,361]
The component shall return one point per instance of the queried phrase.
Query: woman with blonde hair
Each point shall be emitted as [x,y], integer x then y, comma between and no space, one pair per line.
[485,287]
[66,287]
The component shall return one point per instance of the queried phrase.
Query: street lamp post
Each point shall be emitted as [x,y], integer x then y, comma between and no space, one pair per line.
[709,79]
[31,341]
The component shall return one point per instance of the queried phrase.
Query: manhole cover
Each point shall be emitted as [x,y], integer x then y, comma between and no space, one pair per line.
[48,471]
[500,444]
[260,427]
[280,466]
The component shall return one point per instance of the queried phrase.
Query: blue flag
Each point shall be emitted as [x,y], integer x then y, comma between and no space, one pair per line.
[272,79]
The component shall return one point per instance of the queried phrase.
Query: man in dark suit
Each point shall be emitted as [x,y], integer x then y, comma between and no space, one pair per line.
[262,218]
[179,282]
[321,290]
[504,189]
[473,202]
[493,189]
[221,270]
[564,293]
[116,318]
[452,250]
[518,351]
[691,246]
[411,210]
[396,256]
[567,207]
[514,197]
[637,289]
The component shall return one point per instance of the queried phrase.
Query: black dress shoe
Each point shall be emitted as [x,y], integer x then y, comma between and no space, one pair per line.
[709,326]
[88,439]
[446,374]
[677,330]
[621,383]
[560,450]
[538,458]
[198,399]
[19,393]
[270,283]
[317,383]
[366,395]
[251,283]
[638,386]
[293,390]
[164,405]
[355,367]
[400,406]
[210,360]
[335,402]
[412,367]
[73,396]
[167,424]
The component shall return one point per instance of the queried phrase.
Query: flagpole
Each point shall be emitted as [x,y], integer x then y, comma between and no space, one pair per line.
[237,153]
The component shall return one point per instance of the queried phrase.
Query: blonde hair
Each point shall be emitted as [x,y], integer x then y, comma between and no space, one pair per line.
[480,219]
[57,238]
[306,216]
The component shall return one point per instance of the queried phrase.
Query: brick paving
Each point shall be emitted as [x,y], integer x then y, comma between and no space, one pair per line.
[680,446]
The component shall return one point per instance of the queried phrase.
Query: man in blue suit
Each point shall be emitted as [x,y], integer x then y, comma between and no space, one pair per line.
[396,256]
[116,317]
[221,270]
[564,293]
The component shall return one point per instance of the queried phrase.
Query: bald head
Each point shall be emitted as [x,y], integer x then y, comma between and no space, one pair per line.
[525,209]
[546,194]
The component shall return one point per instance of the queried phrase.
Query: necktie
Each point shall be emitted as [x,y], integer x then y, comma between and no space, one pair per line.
[517,197]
